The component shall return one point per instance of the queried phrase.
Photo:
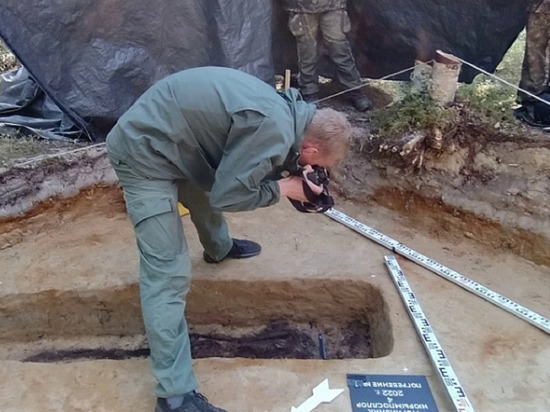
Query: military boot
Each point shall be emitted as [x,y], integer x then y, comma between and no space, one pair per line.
[192,402]
[359,100]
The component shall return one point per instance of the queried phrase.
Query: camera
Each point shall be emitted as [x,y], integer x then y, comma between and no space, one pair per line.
[317,203]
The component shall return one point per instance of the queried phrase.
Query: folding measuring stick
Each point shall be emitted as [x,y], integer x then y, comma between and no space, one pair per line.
[428,338]
[501,301]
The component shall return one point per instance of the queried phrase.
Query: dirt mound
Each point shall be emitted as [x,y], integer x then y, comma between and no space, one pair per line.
[461,176]
[451,172]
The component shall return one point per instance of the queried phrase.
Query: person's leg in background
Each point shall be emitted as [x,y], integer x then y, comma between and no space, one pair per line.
[534,73]
[305,28]
[334,26]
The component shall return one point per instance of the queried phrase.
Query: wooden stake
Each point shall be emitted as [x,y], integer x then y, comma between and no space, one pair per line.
[287,79]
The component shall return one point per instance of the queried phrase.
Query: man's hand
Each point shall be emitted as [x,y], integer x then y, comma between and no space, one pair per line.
[292,186]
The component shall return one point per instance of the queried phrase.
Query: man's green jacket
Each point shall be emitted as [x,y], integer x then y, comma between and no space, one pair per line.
[223,129]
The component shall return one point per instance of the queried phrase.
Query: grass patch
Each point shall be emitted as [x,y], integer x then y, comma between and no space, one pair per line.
[486,100]
[493,101]
[12,148]
[510,67]
[7,59]
[412,112]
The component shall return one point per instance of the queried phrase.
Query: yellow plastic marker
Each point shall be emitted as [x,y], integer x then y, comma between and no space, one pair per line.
[182,209]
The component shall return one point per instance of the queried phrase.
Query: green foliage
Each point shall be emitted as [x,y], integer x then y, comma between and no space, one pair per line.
[488,101]
[7,59]
[491,100]
[509,68]
[414,111]
[17,147]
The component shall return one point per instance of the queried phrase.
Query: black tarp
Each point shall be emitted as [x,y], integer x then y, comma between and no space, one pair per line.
[24,105]
[93,58]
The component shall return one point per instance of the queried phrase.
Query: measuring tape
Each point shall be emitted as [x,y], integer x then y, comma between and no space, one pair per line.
[429,340]
[501,301]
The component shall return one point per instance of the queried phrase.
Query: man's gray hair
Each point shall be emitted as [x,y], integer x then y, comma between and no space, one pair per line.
[330,131]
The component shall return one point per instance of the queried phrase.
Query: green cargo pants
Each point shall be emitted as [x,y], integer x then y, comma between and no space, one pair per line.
[165,267]
[334,25]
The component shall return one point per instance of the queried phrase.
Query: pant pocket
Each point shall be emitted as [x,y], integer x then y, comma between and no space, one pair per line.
[157,227]
[346,24]
[297,24]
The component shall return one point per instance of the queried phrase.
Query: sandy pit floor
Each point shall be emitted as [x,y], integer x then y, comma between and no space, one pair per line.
[71,337]
[69,283]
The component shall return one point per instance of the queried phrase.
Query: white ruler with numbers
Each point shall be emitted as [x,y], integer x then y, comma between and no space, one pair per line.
[503,302]
[428,338]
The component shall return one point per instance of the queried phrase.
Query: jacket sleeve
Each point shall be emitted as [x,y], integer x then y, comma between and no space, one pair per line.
[254,146]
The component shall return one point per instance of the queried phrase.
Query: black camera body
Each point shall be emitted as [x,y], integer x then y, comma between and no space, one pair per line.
[319,176]
[317,203]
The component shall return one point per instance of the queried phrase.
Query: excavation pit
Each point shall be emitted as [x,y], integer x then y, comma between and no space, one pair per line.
[71,293]
[69,296]
[295,319]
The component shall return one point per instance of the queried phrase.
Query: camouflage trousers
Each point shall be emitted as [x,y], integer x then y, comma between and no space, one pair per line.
[333,25]
[535,69]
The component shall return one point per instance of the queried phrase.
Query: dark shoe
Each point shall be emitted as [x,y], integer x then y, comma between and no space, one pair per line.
[241,249]
[359,100]
[526,114]
[192,402]
[311,98]
[294,81]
